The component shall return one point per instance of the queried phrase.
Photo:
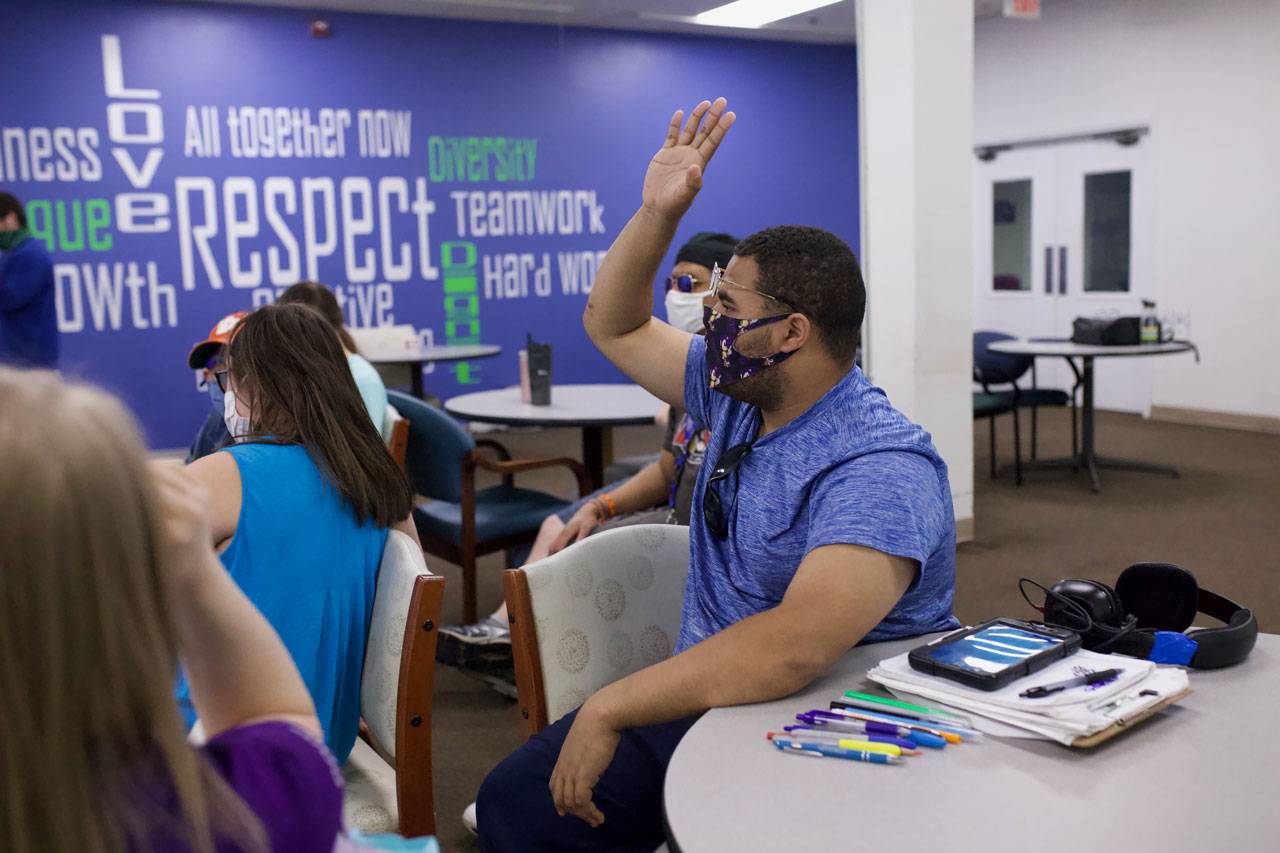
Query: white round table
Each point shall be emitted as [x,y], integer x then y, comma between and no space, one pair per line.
[595,409]
[1087,458]
[1201,776]
[419,357]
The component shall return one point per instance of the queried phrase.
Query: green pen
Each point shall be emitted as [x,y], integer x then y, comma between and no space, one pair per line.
[884,701]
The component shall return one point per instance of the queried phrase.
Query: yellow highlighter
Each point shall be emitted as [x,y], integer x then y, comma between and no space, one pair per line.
[868,746]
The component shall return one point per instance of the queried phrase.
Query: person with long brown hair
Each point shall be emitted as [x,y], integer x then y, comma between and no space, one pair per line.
[372,389]
[108,579]
[301,503]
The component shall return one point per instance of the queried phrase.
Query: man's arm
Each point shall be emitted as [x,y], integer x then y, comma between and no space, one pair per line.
[839,593]
[619,314]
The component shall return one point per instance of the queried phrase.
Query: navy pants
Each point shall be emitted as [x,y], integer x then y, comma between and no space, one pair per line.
[514,809]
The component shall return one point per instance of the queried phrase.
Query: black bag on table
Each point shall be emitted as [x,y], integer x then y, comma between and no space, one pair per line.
[1119,331]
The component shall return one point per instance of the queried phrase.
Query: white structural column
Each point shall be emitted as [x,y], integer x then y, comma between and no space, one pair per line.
[915,77]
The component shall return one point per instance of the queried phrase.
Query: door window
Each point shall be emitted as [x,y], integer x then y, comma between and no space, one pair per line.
[1107,232]
[1011,235]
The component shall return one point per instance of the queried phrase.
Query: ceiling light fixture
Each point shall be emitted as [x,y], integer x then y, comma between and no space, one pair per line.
[757,13]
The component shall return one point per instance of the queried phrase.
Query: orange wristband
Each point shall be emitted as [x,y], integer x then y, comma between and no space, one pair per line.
[610,505]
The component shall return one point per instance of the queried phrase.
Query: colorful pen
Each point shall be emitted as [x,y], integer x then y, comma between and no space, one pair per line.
[903,709]
[851,726]
[819,751]
[952,734]
[819,718]
[924,719]
[802,733]
[838,721]
[847,743]
[855,728]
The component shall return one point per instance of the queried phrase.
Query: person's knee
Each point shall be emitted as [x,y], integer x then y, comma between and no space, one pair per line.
[514,796]
[551,527]
[513,807]
[547,533]
[497,790]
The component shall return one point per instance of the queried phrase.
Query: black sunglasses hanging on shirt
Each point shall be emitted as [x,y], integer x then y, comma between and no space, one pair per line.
[715,510]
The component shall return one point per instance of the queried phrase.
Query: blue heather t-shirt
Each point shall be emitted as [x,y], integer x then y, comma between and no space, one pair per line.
[851,470]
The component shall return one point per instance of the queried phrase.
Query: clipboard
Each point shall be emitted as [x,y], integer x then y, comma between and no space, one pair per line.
[1123,725]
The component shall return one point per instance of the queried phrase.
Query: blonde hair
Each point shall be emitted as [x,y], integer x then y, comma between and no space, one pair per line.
[93,754]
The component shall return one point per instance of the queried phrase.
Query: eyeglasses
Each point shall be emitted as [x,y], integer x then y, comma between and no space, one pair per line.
[682,283]
[714,510]
[220,376]
[719,280]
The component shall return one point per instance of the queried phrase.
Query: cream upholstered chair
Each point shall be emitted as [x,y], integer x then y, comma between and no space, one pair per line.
[593,613]
[388,776]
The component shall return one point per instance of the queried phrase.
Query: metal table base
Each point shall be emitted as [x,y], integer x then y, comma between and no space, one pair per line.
[1087,458]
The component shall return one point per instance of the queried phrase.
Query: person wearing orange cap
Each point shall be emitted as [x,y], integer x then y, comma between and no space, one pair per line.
[205,357]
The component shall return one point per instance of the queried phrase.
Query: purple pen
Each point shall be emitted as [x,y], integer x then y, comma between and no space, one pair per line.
[826,718]
[848,726]
[811,733]
[840,723]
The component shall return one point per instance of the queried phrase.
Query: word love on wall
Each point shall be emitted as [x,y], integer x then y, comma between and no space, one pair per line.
[264,233]
[185,160]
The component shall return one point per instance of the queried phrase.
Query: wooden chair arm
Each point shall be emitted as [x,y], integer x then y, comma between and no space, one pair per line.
[503,453]
[506,468]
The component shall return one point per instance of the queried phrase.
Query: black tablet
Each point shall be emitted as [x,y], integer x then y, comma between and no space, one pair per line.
[995,653]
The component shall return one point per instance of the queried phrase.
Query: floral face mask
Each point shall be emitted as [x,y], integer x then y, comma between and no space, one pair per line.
[724,363]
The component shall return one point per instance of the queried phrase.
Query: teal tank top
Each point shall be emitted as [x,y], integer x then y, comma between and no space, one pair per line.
[301,557]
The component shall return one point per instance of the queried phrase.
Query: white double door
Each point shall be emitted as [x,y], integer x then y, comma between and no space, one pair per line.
[1062,232]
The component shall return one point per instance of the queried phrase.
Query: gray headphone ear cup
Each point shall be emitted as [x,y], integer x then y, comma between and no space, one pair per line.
[1161,596]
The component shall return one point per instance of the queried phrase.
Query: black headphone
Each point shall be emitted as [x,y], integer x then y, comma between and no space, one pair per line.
[1146,614]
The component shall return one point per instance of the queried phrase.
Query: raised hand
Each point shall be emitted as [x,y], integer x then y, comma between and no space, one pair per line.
[183,507]
[675,172]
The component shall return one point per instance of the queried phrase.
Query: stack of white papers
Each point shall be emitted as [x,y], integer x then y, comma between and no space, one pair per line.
[1065,717]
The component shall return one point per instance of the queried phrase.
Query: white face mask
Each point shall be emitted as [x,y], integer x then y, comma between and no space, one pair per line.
[684,310]
[237,424]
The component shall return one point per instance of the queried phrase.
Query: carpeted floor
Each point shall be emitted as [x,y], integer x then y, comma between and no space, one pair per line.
[1221,519]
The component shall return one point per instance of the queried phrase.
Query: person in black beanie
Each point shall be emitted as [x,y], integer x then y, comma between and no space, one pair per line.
[691,277]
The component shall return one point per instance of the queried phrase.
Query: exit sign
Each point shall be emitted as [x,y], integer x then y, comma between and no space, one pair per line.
[1022,9]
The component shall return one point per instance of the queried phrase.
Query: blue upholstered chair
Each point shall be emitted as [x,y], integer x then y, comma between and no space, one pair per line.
[999,369]
[455,521]
[991,406]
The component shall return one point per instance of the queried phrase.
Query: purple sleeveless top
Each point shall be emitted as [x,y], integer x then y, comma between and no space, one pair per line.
[288,779]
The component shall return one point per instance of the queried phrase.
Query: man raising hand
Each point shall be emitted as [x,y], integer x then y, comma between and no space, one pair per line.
[822,517]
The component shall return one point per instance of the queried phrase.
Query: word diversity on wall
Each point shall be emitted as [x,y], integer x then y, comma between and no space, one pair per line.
[192,161]
[379,228]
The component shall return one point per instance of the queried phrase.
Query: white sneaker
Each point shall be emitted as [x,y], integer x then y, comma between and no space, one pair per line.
[487,631]
[469,819]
